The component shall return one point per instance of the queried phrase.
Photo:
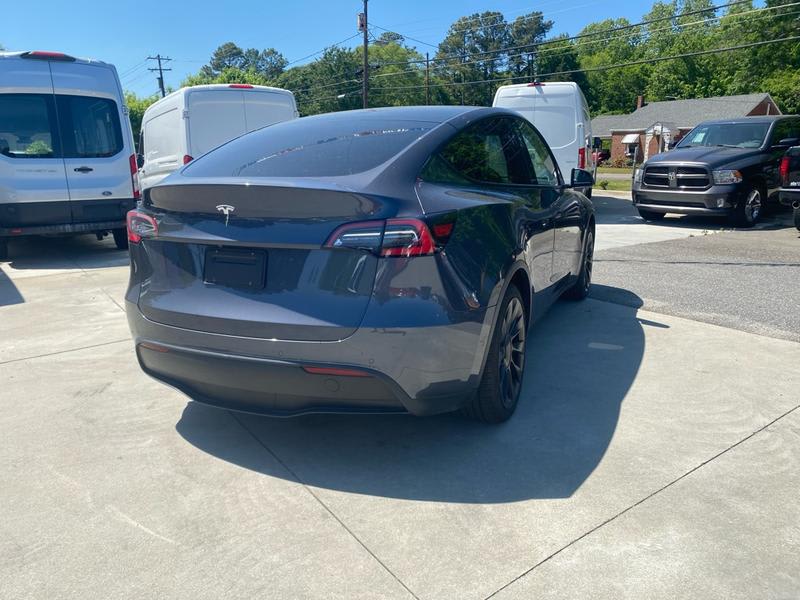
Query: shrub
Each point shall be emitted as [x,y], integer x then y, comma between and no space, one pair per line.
[603,183]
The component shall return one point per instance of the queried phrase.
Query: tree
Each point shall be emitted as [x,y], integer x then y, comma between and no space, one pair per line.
[390,37]
[136,107]
[270,63]
[526,34]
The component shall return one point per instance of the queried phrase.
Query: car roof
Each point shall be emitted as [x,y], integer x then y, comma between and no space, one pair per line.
[75,59]
[429,114]
[754,119]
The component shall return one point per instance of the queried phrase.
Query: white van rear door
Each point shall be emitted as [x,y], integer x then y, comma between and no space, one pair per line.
[33,184]
[266,108]
[97,152]
[215,117]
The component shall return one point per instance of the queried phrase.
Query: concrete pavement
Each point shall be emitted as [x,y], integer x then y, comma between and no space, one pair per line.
[651,456]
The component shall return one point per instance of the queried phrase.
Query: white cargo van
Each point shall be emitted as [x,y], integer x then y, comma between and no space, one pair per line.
[560,112]
[193,120]
[67,162]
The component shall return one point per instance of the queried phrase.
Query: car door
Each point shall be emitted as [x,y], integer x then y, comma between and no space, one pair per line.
[33,184]
[566,208]
[97,166]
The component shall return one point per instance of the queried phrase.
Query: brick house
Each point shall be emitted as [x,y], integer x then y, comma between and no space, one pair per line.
[651,127]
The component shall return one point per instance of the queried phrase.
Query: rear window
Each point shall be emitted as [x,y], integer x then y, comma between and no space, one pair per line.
[27,126]
[311,147]
[90,126]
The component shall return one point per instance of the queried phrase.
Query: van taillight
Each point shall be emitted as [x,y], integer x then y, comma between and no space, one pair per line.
[241,86]
[581,158]
[134,176]
[784,170]
[187,159]
[140,225]
[393,237]
[42,55]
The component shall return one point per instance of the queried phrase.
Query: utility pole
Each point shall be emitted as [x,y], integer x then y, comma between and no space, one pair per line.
[427,78]
[160,70]
[362,26]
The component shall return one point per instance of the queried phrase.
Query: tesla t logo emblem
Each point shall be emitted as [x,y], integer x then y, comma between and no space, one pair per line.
[226,209]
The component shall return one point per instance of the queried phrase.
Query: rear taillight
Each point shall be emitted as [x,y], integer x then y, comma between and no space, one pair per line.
[42,55]
[393,237]
[335,371]
[241,86]
[581,158]
[187,159]
[134,176]
[140,226]
[407,237]
[784,170]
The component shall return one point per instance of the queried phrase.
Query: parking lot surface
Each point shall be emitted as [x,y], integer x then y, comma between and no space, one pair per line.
[667,466]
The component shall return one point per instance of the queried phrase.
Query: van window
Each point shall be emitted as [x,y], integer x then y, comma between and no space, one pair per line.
[26,126]
[89,126]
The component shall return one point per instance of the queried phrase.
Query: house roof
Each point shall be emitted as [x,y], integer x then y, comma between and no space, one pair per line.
[678,113]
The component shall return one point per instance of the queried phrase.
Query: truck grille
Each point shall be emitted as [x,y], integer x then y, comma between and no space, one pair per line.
[676,177]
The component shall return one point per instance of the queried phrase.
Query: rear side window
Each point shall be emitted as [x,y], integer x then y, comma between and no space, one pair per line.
[491,151]
[27,126]
[311,147]
[90,127]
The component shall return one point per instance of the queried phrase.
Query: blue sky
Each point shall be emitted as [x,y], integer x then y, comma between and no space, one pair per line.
[125,33]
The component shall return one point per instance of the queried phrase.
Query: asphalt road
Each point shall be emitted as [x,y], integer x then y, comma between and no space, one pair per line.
[743,279]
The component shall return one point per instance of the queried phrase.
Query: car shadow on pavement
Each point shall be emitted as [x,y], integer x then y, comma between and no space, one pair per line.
[9,294]
[67,252]
[582,360]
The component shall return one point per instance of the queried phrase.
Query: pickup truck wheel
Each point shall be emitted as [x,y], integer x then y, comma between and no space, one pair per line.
[3,250]
[749,210]
[797,218]
[649,215]
[121,238]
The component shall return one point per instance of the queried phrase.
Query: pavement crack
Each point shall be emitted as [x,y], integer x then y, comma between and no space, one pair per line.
[13,360]
[308,489]
[641,501]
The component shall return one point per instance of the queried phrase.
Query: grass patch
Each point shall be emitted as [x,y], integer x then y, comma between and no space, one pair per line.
[612,185]
[624,171]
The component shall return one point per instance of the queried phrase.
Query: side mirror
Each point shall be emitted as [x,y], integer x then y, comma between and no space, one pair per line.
[581,178]
[787,142]
[140,160]
[597,143]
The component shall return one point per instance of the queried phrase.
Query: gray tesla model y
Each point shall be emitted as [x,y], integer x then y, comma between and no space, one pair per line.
[384,260]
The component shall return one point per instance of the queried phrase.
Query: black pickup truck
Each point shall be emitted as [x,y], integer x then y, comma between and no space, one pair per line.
[790,182]
[728,168]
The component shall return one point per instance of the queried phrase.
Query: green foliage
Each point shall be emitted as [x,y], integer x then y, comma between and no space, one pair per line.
[39,148]
[482,51]
[136,107]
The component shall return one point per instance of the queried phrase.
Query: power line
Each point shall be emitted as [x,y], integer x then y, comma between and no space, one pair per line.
[160,70]
[324,49]
[557,51]
[607,67]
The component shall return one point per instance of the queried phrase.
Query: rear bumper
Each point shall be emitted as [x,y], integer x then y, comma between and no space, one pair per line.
[422,371]
[685,202]
[789,197]
[65,228]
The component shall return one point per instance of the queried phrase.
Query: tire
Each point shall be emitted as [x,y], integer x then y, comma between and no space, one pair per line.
[3,249]
[580,289]
[649,215]
[797,218]
[500,387]
[588,193]
[121,238]
[749,210]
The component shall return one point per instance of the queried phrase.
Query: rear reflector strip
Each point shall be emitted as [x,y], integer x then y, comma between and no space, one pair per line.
[336,372]
[154,347]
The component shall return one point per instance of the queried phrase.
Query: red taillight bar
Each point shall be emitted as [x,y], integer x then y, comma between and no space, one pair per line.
[784,170]
[187,159]
[335,371]
[581,158]
[241,86]
[134,176]
[43,55]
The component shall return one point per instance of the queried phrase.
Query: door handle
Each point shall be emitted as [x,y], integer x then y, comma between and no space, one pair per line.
[84,169]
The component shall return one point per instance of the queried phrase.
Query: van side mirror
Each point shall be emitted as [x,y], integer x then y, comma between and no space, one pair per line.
[140,160]
[597,143]
[581,178]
